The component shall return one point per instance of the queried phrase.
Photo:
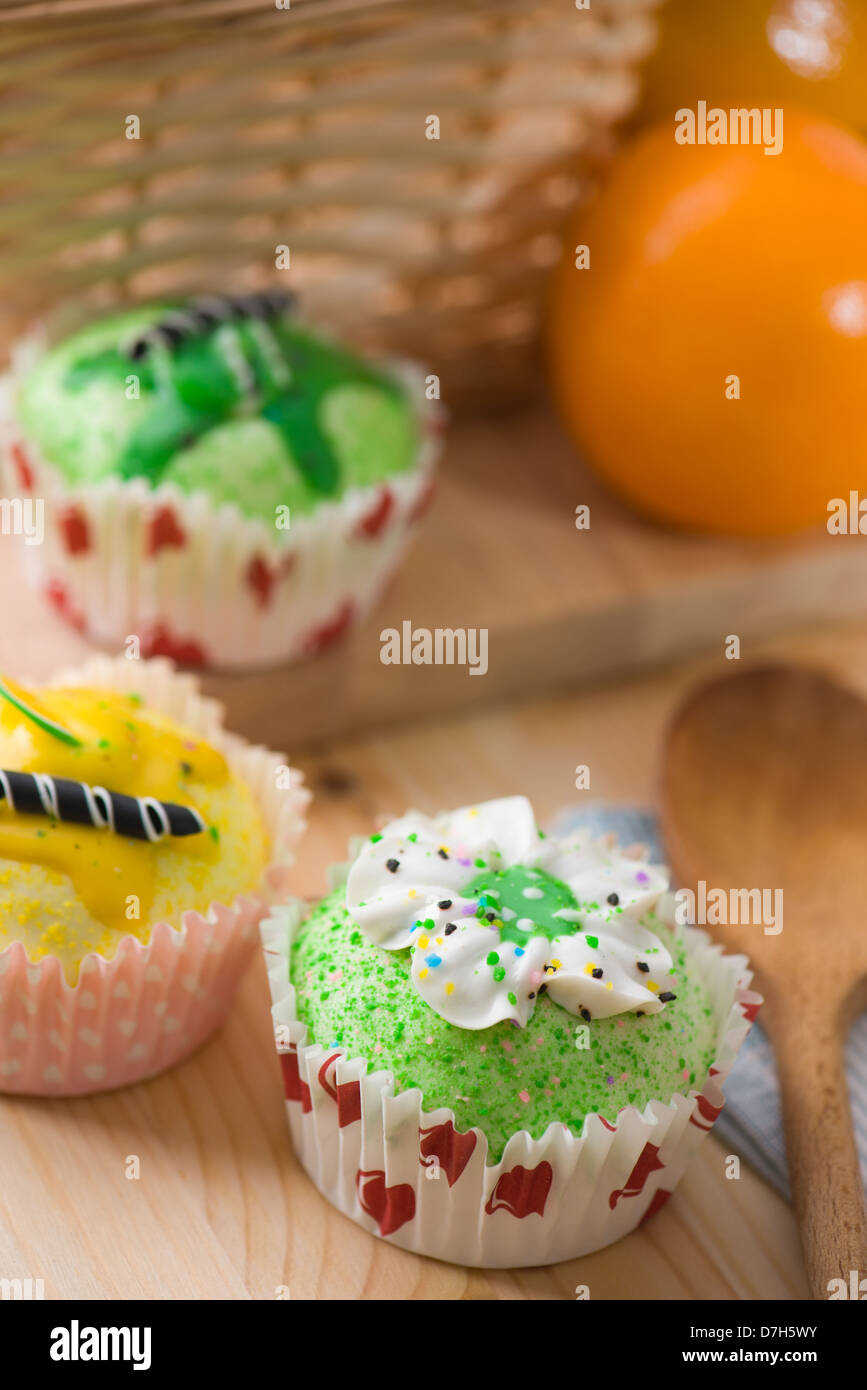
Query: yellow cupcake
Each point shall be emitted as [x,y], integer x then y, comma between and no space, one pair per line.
[68,889]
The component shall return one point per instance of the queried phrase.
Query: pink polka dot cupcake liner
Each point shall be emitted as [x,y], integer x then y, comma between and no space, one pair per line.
[151,1005]
[203,584]
[412,1178]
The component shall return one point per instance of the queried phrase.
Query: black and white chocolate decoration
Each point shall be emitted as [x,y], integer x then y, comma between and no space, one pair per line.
[208,311]
[137,817]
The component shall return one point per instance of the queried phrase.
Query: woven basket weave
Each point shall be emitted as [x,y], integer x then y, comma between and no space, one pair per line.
[262,127]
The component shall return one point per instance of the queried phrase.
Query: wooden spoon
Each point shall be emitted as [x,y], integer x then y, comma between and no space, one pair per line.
[765,786]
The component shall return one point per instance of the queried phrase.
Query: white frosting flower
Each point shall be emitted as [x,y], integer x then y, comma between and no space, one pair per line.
[496,914]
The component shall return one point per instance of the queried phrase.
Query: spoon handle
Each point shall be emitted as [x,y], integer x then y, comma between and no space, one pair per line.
[823,1161]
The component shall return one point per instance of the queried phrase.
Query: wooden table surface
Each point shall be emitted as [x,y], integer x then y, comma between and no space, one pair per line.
[222,1209]
[499,550]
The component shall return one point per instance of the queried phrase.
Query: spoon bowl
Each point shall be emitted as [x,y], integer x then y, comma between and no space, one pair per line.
[764,801]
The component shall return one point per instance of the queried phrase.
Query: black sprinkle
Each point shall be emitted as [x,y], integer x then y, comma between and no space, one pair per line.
[450,927]
[392,865]
[614,899]
[443,854]
[642,965]
[639,1013]
[597,973]
[666,997]
[490,916]
[532,994]
[542,989]
[445,904]
[173,333]
[585,1014]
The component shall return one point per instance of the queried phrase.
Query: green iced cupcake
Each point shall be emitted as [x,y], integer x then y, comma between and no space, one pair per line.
[515,981]
[224,395]
[243,488]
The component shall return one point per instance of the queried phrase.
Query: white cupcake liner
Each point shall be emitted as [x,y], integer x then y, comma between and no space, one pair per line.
[150,1005]
[409,1176]
[203,584]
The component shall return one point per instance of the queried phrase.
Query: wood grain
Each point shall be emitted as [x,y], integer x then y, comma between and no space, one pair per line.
[785,752]
[222,1209]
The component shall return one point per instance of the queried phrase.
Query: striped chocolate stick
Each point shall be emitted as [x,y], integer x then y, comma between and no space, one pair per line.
[137,817]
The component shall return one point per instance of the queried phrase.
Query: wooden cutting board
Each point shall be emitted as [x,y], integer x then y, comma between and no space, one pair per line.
[499,549]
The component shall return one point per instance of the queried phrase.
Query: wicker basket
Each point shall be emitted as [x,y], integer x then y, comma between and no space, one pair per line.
[306,127]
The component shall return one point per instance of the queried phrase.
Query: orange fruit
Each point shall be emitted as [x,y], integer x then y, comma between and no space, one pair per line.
[759,53]
[710,263]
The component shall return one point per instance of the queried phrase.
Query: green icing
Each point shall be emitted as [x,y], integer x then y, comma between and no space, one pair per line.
[506,888]
[363,426]
[332,421]
[352,994]
[267,480]
[296,419]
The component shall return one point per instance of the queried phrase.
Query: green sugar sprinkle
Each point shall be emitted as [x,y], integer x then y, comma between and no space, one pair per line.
[378,1014]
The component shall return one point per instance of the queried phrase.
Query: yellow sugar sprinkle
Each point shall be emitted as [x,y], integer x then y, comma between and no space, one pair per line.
[423,941]
[423,974]
[450,989]
[589,968]
[651,984]
[608,984]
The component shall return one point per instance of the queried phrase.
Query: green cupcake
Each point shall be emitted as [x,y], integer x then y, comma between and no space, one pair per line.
[497,1048]
[218,479]
[518,982]
[229,396]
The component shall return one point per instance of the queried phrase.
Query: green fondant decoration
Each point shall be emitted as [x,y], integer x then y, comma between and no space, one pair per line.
[196,390]
[296,417]
[507,890]
[49,726]
[173,426]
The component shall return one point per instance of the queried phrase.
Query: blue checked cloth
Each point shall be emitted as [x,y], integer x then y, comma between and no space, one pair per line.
[751,1123]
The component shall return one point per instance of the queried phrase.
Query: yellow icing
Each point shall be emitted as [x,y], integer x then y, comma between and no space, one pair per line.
[68,889]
